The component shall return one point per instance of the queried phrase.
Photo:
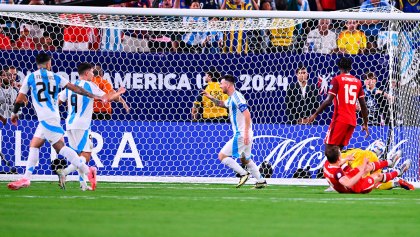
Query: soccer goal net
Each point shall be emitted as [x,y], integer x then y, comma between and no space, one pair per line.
[283,63]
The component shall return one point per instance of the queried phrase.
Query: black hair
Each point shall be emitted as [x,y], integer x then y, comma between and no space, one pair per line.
[370,74]
[300,67]
[229,78]
[42,58]
[344,64]
[332,154]
[214,74]
[83,67]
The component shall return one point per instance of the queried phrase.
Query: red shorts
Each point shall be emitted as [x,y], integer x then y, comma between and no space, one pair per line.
[364,185]
[339,133]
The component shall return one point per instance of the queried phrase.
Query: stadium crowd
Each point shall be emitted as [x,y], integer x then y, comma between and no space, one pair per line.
[323,36]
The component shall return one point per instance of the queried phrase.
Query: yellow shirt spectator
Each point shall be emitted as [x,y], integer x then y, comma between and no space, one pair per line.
[351,42]
[283,36]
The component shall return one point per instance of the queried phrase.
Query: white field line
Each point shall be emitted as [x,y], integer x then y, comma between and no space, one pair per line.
[380,201]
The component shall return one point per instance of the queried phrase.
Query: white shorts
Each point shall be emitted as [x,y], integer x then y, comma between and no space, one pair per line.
[49,130]
[71,46]
[236,148]
[80,140]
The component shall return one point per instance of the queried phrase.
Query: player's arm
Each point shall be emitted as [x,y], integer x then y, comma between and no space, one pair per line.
[350,182]
[79,90]
[364,111]
[217,102]
[124,103]
[321,108]
[247,116]
[20,102]
[116,96]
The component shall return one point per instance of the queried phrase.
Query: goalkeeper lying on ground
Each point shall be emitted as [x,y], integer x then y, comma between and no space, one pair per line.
[373,152]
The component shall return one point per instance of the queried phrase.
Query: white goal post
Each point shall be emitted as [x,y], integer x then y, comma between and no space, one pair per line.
[162,57]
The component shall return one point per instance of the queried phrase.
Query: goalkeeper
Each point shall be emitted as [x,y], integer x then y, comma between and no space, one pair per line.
[372,152]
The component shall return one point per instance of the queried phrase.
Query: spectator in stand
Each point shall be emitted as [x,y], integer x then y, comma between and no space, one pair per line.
[46,43]
[12,73]
[191,40]
[412,6]
[326,5]
[302,98]
[371,28]
[212,41]
[77,38]
[25,40]
[135,41]
[321,40]
[101,110]
[163,41]
[5,43]
[237,41]
[282,38]
[351,41]
[346,4]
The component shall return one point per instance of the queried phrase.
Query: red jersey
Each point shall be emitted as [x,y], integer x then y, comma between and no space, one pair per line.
[346,89]
[333,174]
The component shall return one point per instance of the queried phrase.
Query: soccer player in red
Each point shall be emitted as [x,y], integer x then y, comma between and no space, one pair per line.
[345,89]
[344,179]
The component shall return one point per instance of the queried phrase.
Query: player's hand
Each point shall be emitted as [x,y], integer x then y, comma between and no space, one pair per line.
[14,119]
[3,120]
[126,107]
[104,99]
[246,139]
[366,129]
[205,93]
[122,90]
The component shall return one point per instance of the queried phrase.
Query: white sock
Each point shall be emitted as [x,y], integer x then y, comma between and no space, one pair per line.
[31,163]
[82,179]
[70,169]
[76,160]
[253,169]
[234,165]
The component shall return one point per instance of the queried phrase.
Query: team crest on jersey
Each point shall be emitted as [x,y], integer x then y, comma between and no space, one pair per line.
[369,181]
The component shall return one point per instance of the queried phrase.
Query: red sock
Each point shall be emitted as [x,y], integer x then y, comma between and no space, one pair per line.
[380,165]
[390,176]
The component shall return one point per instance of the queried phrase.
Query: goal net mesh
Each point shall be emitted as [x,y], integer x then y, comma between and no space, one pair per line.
[163,63]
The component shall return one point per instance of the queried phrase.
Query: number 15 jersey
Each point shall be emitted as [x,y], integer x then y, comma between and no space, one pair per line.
[346,89]
[44,86]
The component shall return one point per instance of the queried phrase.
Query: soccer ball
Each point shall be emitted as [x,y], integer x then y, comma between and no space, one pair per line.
[378,147]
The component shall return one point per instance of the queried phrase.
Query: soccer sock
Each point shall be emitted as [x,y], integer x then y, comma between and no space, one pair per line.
[234,165]
[82,179]
[253,169]
[76,160]
[31,163]
[379,165]
[386,186]
[70,169]
[389,176]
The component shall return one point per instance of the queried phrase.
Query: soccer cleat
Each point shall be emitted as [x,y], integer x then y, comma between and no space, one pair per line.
[243,180]
[21,183]
[260,185]
[405,185]
[329,189]
[61,179]
[404,167]
[86,188]
[92,177]
[394,158]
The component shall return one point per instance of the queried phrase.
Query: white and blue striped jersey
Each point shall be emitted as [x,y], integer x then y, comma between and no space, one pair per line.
[112,40]
[44,86]
[237,104]
[193,38]
[80,107]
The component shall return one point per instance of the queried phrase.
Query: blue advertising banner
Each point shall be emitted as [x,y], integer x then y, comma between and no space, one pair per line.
[162,87]
[185,149]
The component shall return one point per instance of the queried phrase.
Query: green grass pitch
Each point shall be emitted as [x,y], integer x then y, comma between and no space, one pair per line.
[213,210]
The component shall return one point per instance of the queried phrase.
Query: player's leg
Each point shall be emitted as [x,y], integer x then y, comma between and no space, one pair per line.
[33,158]
[246,158]
[225,156]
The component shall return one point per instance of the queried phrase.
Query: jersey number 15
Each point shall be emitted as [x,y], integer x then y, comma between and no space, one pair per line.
[350,94]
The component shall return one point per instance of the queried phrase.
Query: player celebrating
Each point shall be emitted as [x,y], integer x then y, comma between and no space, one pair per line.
[79,119]
[344,179]
[241,144]
[345,90]
[44,86]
